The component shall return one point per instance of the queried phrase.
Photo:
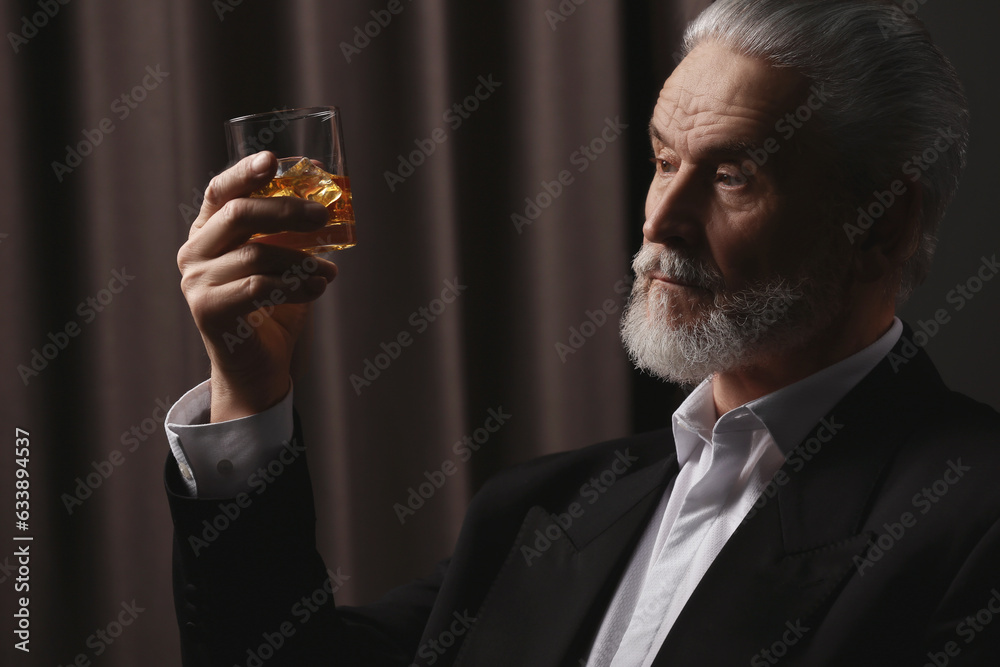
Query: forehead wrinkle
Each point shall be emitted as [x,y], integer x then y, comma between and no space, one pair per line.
[684,114]
[702,138]
[701,125]
[680,109]
[703,98]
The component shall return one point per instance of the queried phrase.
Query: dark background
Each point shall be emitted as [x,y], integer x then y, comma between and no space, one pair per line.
[494,348]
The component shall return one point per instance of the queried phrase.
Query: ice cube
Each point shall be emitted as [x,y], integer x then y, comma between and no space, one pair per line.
[294,167]
[311,182]
[275,188]
[300,177]
[327,193]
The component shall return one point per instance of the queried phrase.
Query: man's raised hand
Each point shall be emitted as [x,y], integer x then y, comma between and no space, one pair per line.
[250,300]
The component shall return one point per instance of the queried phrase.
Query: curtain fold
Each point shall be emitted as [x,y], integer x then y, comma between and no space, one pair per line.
[454,115]
[497,159]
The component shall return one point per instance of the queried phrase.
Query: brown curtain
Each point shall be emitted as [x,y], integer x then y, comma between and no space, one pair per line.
[528,210]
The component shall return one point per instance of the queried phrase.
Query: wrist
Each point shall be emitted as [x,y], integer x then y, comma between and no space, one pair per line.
[234,398]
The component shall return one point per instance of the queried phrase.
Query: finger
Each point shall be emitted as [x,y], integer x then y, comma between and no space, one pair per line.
[247,175]
[219,308]
[239,219]
[260,258]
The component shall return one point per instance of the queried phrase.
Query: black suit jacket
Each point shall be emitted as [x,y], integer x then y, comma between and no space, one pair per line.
[877,544]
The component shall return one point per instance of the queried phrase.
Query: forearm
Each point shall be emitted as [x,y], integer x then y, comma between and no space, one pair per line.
[246,568]
[247,575]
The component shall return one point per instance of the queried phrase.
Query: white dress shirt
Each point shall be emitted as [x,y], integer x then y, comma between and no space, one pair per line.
[724,466]
[217,460]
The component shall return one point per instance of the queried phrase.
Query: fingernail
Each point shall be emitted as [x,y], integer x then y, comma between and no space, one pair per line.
[260,163]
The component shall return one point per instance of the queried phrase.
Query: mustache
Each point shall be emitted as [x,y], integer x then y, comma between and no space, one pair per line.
[676,267]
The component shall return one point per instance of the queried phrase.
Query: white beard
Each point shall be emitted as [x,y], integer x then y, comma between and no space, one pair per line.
[725,331]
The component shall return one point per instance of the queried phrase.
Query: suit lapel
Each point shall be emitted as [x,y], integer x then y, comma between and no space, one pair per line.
[775,577]
[560,574]
[783,566]
[757,590]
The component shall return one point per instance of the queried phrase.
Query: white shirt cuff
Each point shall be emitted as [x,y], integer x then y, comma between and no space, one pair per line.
[217,460]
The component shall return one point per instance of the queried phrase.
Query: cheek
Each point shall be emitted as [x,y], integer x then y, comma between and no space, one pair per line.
[754,246]
[740,256]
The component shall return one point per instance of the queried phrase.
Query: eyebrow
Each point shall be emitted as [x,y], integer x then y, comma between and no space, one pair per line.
[655,134]
[730,148]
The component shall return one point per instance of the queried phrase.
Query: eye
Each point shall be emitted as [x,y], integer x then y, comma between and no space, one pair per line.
[732,178]
[663,165]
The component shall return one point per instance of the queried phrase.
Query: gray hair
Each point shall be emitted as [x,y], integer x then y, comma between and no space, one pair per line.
[892,95]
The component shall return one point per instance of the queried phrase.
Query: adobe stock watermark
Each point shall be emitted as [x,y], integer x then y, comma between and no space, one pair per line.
[254,143]
[772,655]
[562,12]
[968,629]
[30,25]
[914,169]
[22,617]
[258,482]
[223,7]
[902,9]
[131,440]
[122,107]
[294,278]
[787,126]
[924,501]
[594,320]
[592,490]
[189,212]
[103,638]
[431,651]
[59,340]
[303,610]
[581,158]
[958,298]
[463,450]
[454,117]
[828,428]
[7,570]
[421,320]
[364,34]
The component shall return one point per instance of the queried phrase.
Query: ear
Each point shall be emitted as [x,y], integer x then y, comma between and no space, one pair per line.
[893,236]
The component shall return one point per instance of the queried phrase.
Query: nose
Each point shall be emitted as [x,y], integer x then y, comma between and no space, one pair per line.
[674,211]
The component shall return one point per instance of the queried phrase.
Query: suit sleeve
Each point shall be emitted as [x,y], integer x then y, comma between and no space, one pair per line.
[250,587]
[965,629]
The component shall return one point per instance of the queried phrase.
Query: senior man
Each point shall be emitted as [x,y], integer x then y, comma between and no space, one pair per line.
[821,498]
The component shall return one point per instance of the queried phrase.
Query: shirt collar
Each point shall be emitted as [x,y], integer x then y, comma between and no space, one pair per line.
[788,414]
[791,412]
[694,423]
